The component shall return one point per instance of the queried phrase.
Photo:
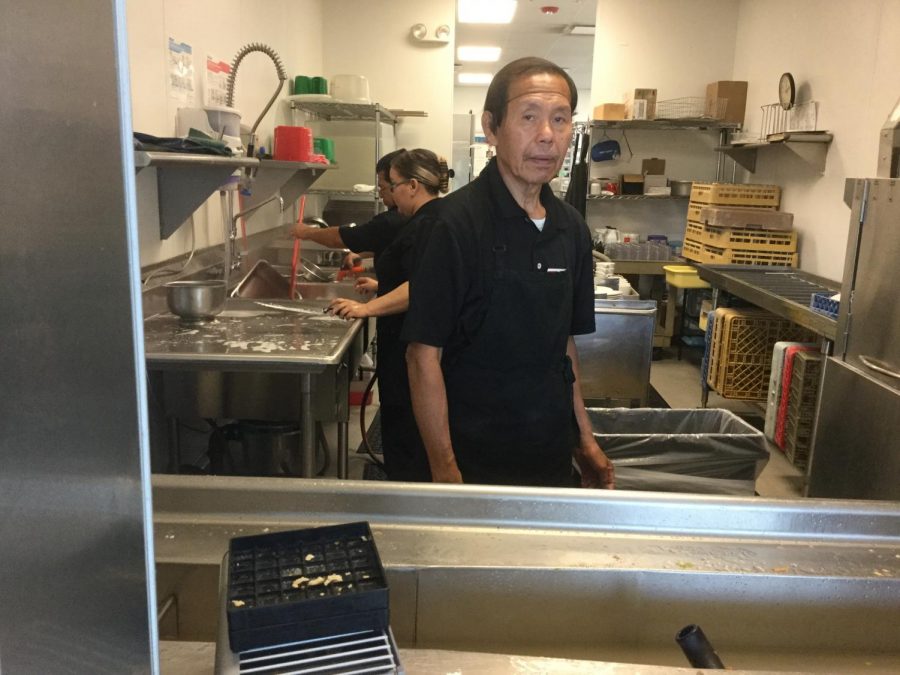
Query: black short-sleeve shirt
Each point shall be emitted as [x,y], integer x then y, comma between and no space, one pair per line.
[451,280]
[374,235]
[393,268]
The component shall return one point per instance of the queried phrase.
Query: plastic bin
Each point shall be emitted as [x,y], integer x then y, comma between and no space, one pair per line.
[684,276]
[304,584]
[680,450]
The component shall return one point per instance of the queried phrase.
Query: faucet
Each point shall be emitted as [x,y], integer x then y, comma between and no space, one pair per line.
[233,262]
[282,76]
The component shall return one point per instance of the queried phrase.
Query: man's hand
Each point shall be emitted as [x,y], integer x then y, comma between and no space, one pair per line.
[596,469]
[447,474]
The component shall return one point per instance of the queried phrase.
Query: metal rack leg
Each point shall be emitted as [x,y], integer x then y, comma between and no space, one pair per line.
[342,451]
[307,428]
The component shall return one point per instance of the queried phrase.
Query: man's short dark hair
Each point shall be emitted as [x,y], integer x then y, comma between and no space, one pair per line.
[498,92]
[383,166]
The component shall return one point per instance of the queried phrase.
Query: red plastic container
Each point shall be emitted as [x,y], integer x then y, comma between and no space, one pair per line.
[293,144]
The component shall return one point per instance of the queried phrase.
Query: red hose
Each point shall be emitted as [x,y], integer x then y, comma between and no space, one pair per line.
[296,256]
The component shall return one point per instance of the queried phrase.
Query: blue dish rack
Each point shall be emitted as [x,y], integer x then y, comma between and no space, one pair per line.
[823,304]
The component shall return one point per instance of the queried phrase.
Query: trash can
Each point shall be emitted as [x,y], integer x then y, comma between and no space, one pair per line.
[681,450]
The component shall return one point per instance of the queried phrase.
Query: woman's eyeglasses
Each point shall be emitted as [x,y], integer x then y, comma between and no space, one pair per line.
[399,183]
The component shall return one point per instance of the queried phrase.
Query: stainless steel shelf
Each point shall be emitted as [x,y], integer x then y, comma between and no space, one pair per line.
[185,180]
[665,125]
[784,291]
[337,110]
[633,197]
[290,179]
[813,149]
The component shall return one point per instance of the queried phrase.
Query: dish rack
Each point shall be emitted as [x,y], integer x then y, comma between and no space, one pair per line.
[691,107]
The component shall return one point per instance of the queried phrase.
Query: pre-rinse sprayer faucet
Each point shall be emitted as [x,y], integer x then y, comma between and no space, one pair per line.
[232,262]
[282,76]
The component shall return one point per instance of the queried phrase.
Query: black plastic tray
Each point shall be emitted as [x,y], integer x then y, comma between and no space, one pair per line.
[303,584]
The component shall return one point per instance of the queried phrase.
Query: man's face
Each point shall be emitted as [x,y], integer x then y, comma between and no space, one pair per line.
[533,138]
[384,191]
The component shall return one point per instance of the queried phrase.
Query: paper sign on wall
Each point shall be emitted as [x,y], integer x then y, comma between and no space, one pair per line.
[180,70]
[216,90]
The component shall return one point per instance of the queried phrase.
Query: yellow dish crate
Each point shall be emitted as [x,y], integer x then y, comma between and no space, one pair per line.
[741,351]
[696,210]
[704,253]
[743,238]
[736,194]
[757,217]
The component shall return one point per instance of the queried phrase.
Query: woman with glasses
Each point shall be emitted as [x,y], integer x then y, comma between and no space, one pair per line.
[368,239]
[416,179]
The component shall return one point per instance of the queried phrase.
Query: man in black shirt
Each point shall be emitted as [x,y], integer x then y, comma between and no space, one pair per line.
[503,281]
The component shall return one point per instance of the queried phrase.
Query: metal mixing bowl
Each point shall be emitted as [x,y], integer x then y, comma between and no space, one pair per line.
[195,301]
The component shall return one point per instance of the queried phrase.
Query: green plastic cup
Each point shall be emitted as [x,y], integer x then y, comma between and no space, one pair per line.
[319,85]
[302,85]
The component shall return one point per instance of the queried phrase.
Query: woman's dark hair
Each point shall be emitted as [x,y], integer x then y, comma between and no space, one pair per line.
[425,166]
[383,166]
[498,92]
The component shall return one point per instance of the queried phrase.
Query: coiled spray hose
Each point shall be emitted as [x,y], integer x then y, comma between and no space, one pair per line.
[282,76]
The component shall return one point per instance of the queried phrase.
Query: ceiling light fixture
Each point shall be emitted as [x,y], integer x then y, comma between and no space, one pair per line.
[578,30]
[482,11]
[474,78]
[479,54]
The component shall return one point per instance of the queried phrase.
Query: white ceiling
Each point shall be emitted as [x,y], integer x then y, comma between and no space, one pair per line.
[533,33]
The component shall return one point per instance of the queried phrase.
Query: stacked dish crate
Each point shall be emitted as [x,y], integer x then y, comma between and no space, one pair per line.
[731,223]
[740,348]
[796,433]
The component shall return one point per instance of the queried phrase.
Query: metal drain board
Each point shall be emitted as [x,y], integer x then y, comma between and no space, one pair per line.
[784,291]
[360,652]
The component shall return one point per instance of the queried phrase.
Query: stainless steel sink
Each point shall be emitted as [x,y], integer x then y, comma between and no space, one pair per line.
[806,586]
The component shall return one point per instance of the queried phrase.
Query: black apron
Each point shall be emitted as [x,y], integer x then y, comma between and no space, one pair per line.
[509,389]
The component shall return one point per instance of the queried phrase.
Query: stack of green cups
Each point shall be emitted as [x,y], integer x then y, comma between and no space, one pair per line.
[324,146]
[304,84]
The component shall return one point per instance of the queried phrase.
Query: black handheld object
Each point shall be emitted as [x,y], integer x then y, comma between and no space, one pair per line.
[697,648]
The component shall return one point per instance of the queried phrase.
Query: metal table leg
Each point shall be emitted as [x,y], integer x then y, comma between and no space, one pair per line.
[342,451]
[174,446]
[307,427]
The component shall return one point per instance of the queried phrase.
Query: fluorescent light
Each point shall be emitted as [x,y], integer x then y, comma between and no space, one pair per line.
[482,54]
[579,30]
[474,78]
[486,11]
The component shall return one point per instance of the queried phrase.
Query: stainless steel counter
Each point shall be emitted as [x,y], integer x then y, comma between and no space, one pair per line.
[249,338]
[247,335]
[604,576]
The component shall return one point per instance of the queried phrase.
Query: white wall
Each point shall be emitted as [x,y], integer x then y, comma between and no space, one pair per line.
[293,28]
[372,39]
[843,55]
[675,48]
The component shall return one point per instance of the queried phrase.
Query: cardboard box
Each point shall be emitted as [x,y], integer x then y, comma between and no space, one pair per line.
[635,110]
[609,111]
[735,92]
[654,181]
[654,166]
[632,184]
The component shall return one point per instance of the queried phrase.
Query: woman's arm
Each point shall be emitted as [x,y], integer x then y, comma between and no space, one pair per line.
[329,236]
[395,302]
